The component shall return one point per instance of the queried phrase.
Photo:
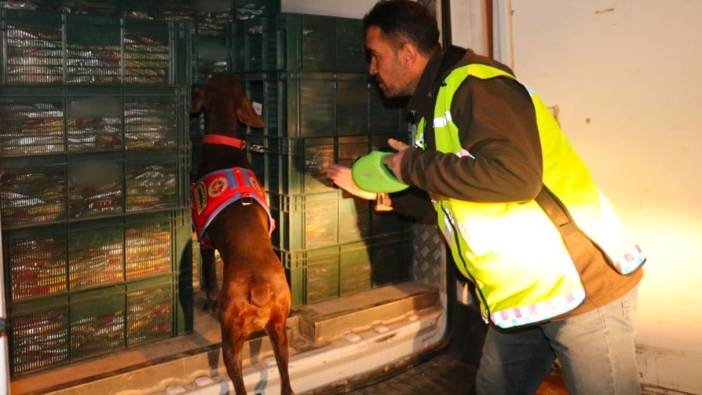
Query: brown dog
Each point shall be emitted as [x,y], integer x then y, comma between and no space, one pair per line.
[255,293]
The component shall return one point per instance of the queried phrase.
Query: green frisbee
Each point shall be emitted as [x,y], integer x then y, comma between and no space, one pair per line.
[370,174]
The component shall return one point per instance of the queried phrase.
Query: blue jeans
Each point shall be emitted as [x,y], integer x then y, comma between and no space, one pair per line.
[596,351]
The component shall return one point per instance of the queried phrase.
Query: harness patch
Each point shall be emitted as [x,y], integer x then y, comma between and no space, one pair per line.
[216,190]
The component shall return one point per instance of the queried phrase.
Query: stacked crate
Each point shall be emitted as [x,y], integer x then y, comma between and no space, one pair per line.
[211,53]
[94,176]
[307,75]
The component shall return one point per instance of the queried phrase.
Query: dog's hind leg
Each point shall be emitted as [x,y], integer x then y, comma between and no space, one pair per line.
[277,332]
[209,277]
[232,344]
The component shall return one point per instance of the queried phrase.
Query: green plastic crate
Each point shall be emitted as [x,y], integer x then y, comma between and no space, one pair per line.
[259,44]
[298,43]
[39,335]
[36,262]
[149,246]
[213,23]
[385,116]
[95,254]
[93,122]
[352,107]
[76,120]
[211,54]
[97,323]
[54,331]
[92,7]
[150,310]
[318,220]
[305,221]
[156,119]
[135,8]
[350,46]
[58,189]
[313,274]
[325,273]
[310,42]
[57,259]
[93,49]
[267,93]
[176,10]
[247,9]
[292,166]
[157,181]
[321,104]
[102,286]
[355,269]
[95,185]
[25,33]
[33,192]
[33,124]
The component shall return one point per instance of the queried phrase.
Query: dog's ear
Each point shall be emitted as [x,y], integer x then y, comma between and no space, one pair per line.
[199,100]
[247,115]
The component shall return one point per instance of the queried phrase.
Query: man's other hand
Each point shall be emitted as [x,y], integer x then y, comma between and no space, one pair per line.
[341,176]
[394,162]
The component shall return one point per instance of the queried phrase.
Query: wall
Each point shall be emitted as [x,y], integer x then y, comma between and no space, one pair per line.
[625,76]
[467,25]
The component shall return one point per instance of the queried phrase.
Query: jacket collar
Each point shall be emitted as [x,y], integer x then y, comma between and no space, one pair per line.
[438,67]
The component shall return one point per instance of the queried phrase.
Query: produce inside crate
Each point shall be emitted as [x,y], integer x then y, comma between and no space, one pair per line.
[51,48]
[57,259]
[31,125]
[51,120]
[37,263]
[33,193]
[151,122]
[95,186]
[149,311]
[54,331]
[148,247]
[39,336]
[153,181]
[98,320]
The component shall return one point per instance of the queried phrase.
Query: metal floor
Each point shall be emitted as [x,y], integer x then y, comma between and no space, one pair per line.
[443,374]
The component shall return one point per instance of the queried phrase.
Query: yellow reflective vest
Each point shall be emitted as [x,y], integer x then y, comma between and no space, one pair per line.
[512,251]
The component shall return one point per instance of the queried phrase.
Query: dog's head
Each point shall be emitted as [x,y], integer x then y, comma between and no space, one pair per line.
[222,98]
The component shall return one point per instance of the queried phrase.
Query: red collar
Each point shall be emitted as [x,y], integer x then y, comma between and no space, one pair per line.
[224,140]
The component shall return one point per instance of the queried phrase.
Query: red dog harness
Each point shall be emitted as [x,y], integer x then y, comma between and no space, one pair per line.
[216,190]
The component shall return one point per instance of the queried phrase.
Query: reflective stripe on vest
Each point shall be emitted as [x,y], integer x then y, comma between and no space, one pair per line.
[512,251]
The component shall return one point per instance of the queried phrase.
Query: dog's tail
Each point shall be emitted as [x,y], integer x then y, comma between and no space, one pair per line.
[260,293]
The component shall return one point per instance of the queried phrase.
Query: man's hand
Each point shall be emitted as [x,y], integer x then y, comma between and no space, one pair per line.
[394,162]
[341,176]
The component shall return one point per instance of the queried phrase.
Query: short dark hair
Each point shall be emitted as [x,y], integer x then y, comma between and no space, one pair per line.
[405,20]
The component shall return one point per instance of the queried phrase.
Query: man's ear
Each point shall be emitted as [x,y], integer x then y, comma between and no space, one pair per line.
[246,114]
[408,54]
[199,100]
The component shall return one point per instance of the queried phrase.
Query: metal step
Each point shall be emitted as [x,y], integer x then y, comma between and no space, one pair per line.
[181,364]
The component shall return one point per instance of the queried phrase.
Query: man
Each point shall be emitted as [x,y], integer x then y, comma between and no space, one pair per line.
[553,272]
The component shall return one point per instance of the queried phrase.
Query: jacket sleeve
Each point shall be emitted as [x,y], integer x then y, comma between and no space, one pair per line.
[497,126]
